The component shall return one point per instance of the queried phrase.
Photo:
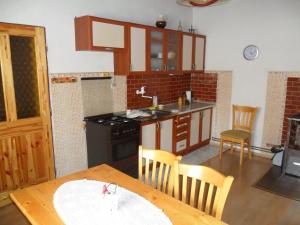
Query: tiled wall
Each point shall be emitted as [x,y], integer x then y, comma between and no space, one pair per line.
[70,102]
[292,103]
[167,88]
[222,112]
[275,107]
[204,86]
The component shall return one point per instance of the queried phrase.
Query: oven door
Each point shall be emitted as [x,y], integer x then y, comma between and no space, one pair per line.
[125,154]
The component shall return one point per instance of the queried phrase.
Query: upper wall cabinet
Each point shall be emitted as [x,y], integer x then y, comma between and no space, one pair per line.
[99,34]
[193,52]
[137,49]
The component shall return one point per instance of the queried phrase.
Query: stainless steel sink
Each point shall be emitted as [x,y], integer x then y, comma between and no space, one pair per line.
[156,112]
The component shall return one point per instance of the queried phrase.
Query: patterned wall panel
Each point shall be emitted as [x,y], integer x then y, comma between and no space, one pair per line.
[25,76]
[275,107]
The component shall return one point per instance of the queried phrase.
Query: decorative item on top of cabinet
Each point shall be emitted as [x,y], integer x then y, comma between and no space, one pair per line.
[26,149]
[99,34]
[193,52]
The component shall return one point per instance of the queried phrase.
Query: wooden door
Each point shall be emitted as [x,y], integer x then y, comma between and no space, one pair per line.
[187,52]
[137,49]
[166,135]
[199,48]
[26,151]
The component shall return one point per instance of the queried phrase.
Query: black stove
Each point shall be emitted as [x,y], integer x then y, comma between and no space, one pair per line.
[113,140]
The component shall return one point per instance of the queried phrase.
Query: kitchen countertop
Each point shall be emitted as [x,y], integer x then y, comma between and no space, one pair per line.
[194,106]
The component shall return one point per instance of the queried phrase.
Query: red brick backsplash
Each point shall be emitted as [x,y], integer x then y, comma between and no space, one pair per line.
[292,103]
[167,88]
[204,86]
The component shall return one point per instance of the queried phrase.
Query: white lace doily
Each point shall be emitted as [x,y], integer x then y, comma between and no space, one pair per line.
[81,202]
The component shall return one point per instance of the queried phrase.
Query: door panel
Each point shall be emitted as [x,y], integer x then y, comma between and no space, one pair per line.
[206,118]
[166,135]
[23,161]
[138,49]
[25,76]
[194,133]
[149,136]
[199,53]
[26,152]
[108,35]
[187,52]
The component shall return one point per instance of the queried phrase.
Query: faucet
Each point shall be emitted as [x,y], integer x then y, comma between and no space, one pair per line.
[142,92]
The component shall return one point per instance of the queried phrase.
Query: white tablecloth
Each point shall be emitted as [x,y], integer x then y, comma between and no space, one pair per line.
[81,202]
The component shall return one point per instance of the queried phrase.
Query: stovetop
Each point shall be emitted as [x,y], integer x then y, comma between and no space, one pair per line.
[112,120]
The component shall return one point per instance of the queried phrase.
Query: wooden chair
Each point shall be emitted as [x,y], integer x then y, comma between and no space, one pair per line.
[202,187]
[156,168]
[242,123]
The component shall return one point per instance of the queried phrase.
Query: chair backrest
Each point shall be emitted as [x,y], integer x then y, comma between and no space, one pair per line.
[243,117]
[156,168]
[201,187]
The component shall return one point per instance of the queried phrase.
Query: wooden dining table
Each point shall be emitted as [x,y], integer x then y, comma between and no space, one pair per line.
[36,202]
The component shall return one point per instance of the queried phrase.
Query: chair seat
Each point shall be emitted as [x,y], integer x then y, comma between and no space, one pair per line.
[237,134]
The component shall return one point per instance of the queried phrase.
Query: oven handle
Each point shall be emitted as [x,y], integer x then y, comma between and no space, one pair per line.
[126,138]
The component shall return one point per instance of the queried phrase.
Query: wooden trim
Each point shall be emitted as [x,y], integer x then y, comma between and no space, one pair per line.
[17,29]
[42,73]
[7,78]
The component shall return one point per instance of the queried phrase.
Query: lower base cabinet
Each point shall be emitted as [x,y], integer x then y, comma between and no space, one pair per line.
[180,134]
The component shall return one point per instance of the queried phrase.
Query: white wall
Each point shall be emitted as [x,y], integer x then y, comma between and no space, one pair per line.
[58,18]
[272,25]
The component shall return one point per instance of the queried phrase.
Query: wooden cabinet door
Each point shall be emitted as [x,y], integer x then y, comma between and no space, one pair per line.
[166,135]
[98,34]
[173,52]
[156,51]
[195,129]
[137,49]
[206,125]
[187,52]
[149,135]
[199,48]
[26,151]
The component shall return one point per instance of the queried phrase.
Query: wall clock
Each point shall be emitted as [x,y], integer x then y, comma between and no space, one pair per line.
[251,52]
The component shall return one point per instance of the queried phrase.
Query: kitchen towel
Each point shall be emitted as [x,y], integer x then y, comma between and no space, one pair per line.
[81,202]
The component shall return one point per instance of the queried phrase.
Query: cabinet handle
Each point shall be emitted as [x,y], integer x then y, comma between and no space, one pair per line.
[158,125]
[108,49]
[165,67]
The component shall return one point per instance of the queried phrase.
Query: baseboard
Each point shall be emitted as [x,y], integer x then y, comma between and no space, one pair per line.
[258,151]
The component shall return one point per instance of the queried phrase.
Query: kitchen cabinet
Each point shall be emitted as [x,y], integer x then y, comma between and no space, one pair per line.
[137,49]
[193,52]
[206,118]
[195,128]
[166,135]
[163,51]
[187,52]
[181,133]
[98,34]
[149,135]
[158,135]
[26,149]
[200,132]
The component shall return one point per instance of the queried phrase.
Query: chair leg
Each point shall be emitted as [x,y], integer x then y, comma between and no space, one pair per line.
[249,149]
[221,148]
[231,147]
[242,153]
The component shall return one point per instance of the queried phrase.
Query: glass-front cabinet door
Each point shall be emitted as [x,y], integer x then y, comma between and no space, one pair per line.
[172,51]
[157,51]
